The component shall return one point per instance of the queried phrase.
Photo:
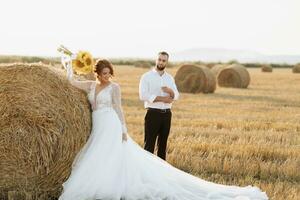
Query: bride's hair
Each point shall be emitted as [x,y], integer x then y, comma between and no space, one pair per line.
[101,64]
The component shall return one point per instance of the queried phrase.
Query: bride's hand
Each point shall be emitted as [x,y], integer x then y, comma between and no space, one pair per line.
[124,137]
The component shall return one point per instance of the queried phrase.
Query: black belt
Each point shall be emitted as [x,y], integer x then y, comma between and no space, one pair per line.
[160,110]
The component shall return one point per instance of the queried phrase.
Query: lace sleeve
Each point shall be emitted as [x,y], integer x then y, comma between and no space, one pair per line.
[116,101]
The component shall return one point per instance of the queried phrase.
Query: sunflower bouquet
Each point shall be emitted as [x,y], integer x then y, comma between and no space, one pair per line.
[81,62]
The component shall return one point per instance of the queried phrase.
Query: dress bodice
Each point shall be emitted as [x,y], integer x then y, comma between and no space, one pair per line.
[101,99]
[108,97]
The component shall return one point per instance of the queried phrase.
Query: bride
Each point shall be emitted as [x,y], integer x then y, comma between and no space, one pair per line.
[111,166]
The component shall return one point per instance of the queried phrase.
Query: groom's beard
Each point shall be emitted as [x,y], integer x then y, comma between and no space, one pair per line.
[160,67]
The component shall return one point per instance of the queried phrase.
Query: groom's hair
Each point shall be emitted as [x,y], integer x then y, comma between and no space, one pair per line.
[164,53]
[101,64]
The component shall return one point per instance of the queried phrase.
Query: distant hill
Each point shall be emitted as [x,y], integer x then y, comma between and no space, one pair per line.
[225,55]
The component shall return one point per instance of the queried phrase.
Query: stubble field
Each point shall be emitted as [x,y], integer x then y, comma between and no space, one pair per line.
[233,136]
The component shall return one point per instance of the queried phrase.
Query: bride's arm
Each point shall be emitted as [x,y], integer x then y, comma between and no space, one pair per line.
[116,99]
[84,85]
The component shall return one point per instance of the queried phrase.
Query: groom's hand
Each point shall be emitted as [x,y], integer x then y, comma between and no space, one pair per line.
[167,99]
[168,90]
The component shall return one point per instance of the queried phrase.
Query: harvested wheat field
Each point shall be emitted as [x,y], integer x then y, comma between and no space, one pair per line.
[233,136]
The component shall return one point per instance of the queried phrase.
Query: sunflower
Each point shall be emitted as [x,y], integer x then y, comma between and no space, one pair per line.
[83,63]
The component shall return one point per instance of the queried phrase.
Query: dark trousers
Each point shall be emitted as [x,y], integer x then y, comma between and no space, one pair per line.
[157,126]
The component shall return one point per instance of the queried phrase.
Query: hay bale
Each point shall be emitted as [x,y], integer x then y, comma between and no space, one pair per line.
[217,68]
[296,68]
[13,195]
[44,122]
[195,79]
[209,65]
[266,68]
[235,75]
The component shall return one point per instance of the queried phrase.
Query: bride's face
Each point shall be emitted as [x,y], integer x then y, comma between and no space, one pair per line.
[104,76]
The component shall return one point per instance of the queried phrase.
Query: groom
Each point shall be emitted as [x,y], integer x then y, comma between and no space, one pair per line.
[158,90]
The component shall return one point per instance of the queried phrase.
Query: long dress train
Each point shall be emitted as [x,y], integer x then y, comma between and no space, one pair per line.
[107,168]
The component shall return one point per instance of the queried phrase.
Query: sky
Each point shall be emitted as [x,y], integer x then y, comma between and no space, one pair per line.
[139,28]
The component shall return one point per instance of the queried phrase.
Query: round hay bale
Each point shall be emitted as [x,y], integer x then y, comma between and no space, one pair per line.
[266,68]
[195,79]
[235,75]
[217,68]
[210,65]
[44,122]
[296,68]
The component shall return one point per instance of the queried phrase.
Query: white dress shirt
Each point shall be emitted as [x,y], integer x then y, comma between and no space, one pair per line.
[150,87]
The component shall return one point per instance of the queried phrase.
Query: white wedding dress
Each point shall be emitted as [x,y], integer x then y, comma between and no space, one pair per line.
[109,169]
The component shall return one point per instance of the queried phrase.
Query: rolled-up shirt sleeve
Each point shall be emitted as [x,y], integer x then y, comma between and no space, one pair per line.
[144,91]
